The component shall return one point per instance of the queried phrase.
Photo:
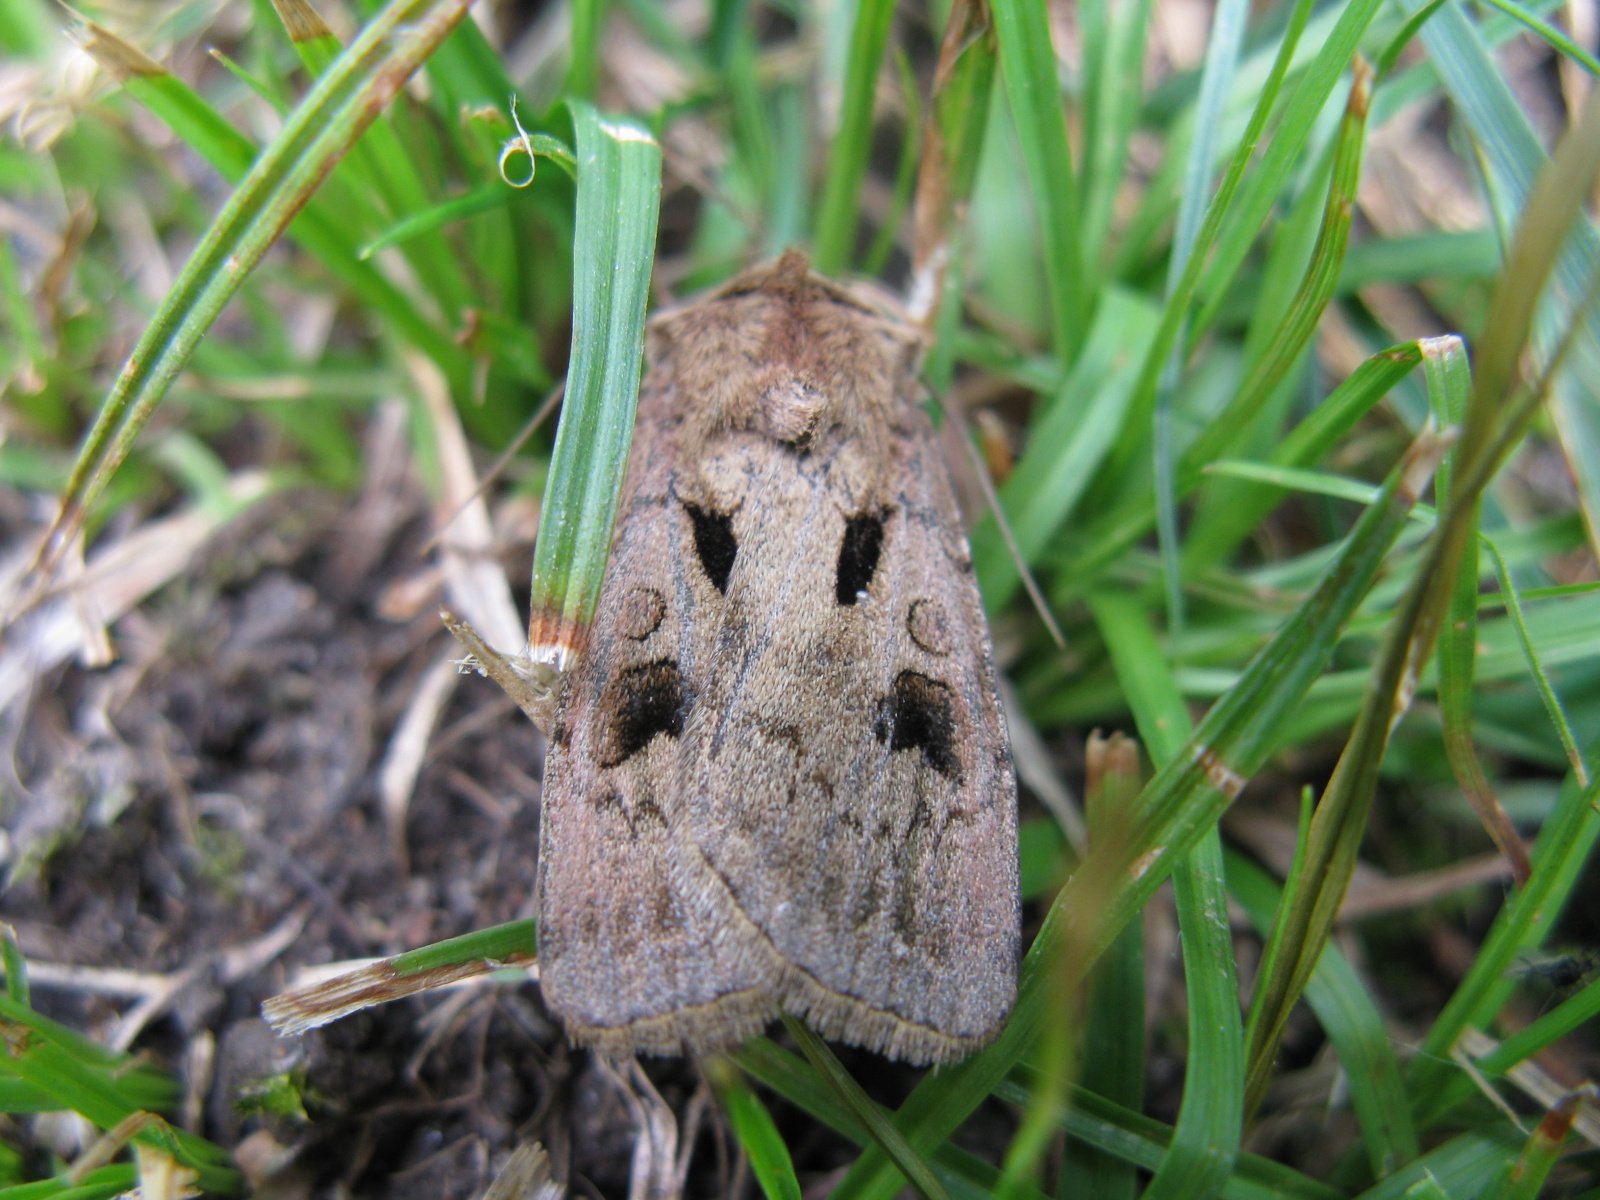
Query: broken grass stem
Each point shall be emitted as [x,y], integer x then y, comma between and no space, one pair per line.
[533,685]
[454,960]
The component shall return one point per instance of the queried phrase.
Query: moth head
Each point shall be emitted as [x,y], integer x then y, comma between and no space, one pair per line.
[789,408]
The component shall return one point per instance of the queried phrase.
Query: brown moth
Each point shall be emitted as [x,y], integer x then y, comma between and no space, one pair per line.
[778,778]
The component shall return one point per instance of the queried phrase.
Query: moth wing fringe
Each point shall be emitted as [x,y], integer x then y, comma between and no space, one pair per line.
[716,1025]
[841,1018]
[729,1020]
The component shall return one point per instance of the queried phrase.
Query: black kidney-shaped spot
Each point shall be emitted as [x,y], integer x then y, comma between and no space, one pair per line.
[714,543]
[919,714]
[642,702]
[858,555]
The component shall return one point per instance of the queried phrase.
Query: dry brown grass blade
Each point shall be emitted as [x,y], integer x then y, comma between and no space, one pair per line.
[526,1176]
[653,1175]
[531,426]
[1463,756]
[474,580]
[408,747]
[1529,1078]
[1371,892]
[116,578]
[960,104]
[1036,768]
[980,470]
[309,1006]
[533,685]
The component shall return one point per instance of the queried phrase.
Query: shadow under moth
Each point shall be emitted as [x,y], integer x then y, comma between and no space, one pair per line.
[778,778]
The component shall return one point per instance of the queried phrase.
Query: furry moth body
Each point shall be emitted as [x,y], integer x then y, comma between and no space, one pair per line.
[778,777]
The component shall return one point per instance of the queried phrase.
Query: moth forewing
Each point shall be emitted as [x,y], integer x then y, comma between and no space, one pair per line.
[779,778]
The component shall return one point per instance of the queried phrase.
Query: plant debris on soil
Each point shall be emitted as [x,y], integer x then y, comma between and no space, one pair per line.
[202,816]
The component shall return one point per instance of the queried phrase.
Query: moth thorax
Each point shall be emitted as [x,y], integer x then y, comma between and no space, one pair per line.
[790,409]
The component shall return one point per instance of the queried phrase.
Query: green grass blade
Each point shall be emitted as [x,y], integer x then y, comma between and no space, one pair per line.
[1112,1041]
[798,1082]
[1113,69]
[1449,389]
[1460,1167]
[583,74]
[951,150]
[322,128]
[1490,600]
[734,54]
[99,1184]
[191,119]
[1560,1021]
[1222,56]
[1205,1140]
[866,1111]
[19,1097]
[1143,1142]
[1218,530]
[16,967]
[1121,529]
[1315,483]
[279,105]
[84,1049]
[1092,1119]
[1028,66]
[313,41]
[1564,843]
[1112,1037]
[619,189]
[1216,79]
[1174,316]
[1285,345]
[1470,254]
[1527,1176]
[753,1126]
[482,952]
[1354,1026]
[1067,442]
[320,228]
[1553,203]
[1306,920]
[496,944]
[1294,128]
[1300,320]
[1514,155]
[789,195]
[380,168]
[905,174]
[834,245]
[53,1060]
[1541,680]
[1549,33]
[468,73]
[436,217]
[1402,38]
